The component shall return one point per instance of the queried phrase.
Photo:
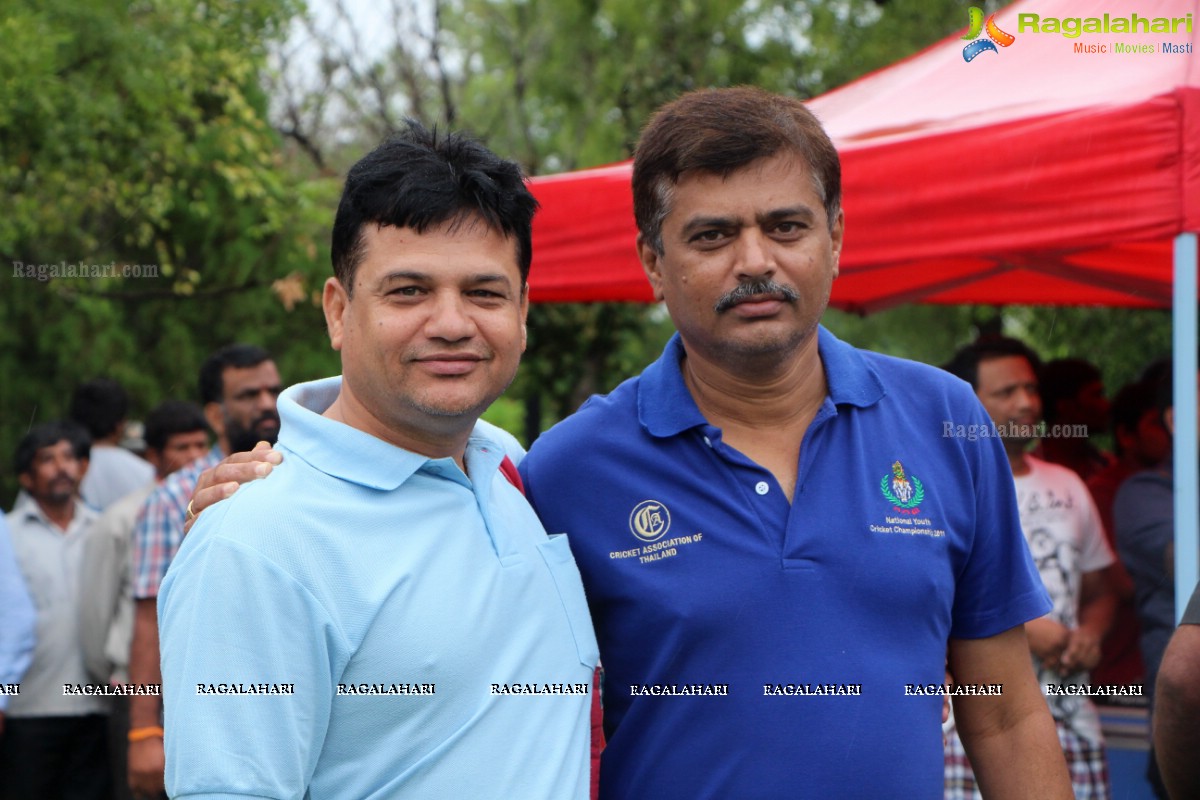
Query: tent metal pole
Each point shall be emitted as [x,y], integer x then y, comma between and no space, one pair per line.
[1187,463]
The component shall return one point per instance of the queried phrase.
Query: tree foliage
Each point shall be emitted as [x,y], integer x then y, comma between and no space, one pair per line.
[207,139]
[137,134]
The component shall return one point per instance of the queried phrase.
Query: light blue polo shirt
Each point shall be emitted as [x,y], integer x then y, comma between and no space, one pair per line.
[373,623]
[756,648]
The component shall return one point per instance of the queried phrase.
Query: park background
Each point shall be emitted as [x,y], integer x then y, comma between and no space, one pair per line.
[210,140]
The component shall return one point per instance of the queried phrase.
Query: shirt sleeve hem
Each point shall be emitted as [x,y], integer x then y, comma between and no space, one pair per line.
[224,796]
[1020,610]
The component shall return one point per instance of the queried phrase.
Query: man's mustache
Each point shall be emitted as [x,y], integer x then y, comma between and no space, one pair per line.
[266,416]
[755,290]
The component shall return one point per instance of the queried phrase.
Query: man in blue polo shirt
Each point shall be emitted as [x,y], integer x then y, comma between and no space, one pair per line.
[781,540]
[386,617]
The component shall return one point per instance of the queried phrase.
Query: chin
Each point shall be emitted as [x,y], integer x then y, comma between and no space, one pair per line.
[451,408]
[767,344]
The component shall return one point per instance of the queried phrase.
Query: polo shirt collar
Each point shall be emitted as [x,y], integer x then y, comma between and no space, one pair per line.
[851,379]
[26,509]
[666,407]
[336,448]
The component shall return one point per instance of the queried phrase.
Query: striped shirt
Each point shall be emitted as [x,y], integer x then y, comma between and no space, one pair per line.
[159,528]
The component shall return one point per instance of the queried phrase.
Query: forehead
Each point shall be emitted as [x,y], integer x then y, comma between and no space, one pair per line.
[187,438]
[236,379]
[59,448]
[457,249]
[1005,370]
[780,181]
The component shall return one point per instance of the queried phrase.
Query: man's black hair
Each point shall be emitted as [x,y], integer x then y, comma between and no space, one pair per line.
[1063,379]
[421,179]
[100,405]
[241,356]
[47,434]
[172,417]
[965,363]
[1164,394]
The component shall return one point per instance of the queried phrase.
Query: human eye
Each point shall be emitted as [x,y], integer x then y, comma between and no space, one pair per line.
[486,298]
[405,291]
[788,229]
[708,237]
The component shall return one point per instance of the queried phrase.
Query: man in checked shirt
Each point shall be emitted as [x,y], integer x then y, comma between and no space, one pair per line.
[238,388]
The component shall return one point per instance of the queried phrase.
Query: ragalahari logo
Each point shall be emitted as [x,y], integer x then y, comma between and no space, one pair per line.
[995,36]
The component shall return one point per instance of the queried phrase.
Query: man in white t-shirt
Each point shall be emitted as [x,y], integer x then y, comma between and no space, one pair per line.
[1065,536]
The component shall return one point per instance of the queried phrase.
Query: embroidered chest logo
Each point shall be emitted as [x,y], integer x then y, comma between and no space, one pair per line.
[904,492]
[649,520]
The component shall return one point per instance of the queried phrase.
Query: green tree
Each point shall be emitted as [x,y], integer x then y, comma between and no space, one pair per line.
[137,135]
[580,78]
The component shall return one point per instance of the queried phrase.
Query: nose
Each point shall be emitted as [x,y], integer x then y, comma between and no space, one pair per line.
[265,400]
[1029,399]
[755,256]
[449,318]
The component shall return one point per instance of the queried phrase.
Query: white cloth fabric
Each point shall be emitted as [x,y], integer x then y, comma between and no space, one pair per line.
[106,589]
[51,561]
[113,472]
[1065,536]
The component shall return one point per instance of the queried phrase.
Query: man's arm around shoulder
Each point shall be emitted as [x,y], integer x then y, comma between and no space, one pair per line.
[1010,738]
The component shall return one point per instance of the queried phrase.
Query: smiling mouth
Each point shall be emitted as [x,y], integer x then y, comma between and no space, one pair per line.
[450,364]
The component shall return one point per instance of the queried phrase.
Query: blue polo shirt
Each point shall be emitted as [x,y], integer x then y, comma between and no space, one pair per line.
[373,623]
[755,648]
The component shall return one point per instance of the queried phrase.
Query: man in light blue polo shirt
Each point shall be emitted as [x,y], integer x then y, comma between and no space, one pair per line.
[386,617]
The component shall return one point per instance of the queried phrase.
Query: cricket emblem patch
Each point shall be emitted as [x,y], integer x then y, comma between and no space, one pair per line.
[904,492]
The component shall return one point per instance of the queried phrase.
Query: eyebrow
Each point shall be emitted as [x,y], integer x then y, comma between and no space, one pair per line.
[251,391]
[407,275]
[481,278]
[697,223]
[411,275]
[783,213]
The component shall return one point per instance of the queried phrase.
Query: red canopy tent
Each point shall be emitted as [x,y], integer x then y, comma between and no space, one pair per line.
[1033,174]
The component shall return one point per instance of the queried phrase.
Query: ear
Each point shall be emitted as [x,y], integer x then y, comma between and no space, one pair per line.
[652,264]
[1169,420]
[837,235]
[26,481]
[524,315]
[155,458]
[334,301]
[215,415]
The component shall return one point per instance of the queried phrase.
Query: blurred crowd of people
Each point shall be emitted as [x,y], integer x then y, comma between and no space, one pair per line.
[82,552]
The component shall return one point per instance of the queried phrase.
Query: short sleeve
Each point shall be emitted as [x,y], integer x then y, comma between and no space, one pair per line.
[156,535]
[998,587]
[1096,553]
[1143,517]
[231,620]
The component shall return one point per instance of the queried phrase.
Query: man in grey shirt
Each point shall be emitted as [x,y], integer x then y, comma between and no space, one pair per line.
[54,737]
